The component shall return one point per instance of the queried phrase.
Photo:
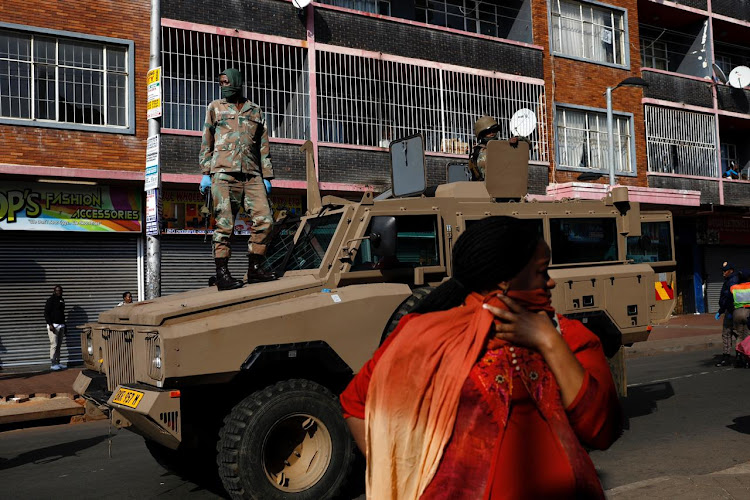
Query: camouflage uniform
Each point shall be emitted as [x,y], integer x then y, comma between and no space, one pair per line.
[235,153]
[477,161]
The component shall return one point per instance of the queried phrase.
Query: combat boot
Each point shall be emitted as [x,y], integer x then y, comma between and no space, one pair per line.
[255,272]
[725,360]
[224,280]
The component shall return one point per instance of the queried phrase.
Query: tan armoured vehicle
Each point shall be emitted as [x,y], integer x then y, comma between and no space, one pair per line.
[250,377]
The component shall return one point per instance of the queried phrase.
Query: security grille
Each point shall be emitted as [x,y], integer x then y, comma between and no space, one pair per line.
[681,142]
[276,78]
[119,352]
[370,101]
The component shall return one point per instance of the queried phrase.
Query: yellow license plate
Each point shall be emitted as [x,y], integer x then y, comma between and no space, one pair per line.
[128,398]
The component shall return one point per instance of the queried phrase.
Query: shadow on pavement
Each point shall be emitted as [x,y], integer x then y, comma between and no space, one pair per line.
[642,399]
[741,424]
[51,453]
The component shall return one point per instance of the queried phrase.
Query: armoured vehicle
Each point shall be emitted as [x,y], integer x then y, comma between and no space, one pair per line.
[250,377]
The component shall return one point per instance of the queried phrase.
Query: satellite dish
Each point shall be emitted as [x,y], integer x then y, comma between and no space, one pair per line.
[719,74]
[739,77]
[523,123]
[301,4]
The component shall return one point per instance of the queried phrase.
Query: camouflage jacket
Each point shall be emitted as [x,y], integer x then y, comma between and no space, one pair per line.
[477,161]
[235,142]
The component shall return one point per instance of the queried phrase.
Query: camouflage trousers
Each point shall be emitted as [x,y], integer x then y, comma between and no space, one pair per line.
[230,192]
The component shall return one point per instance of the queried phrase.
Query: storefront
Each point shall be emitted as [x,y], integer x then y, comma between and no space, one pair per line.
[723,239]
[84,237]
[186,260]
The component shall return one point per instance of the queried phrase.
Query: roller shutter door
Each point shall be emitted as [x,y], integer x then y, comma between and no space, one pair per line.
[187,262]
[715,256]
[93,269]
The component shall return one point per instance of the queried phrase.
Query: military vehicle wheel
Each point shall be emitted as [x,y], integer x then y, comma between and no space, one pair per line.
[405,308]
[287,441]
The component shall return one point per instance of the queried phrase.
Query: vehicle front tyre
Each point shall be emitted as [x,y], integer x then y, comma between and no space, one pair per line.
[287,441]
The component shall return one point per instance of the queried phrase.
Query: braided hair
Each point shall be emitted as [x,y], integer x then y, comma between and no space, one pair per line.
[490,251]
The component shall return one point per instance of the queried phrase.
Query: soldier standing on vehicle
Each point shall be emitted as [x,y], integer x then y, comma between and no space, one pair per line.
[726,307]
[236,166]
[486,129]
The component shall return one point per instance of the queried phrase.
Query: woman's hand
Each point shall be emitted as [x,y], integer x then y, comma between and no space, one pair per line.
[522,327]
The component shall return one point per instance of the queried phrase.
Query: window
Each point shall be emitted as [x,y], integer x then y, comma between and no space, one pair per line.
[729,160]
[582,141]
[487,18]
[681,142]
[583,240]
[416,245]
[56,79]
[654,54]
[313,243]
[654,244]
[370,102]
[382,7]
[276,78]
[589,32]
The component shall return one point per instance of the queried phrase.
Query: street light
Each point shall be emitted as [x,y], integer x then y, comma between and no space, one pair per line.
[631,81]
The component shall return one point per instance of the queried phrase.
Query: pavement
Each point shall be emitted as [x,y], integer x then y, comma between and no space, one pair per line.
[32,397]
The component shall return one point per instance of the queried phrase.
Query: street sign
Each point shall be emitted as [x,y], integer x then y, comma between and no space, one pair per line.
[153,211]
[153,87]
[152,164]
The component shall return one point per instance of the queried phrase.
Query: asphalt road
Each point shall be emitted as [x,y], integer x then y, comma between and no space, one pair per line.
[685,416]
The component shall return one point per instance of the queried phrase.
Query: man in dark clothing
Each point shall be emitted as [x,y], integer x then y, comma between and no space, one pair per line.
[54,315]
[726,307]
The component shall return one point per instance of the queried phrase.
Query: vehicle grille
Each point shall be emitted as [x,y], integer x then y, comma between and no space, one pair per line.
[120,363]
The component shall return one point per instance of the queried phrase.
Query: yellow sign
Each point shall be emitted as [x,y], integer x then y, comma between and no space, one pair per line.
[128,398]
[154,76]
[153,86]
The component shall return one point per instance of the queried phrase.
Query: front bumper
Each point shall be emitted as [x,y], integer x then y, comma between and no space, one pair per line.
[156,415]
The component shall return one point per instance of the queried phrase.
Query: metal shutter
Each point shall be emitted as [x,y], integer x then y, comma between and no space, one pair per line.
[715,256]
[93,269]
[187,262]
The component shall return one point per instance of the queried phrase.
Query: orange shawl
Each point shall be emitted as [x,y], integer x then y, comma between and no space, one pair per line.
[414,393]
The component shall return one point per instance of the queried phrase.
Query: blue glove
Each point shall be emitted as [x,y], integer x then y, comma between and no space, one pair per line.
[268,186]
[717,316]
[205,183]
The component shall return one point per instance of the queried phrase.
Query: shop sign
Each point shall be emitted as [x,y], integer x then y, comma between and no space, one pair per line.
[69,207]
[723,231]
[182,212]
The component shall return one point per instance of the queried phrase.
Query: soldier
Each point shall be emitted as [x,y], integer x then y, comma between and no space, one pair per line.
[486,129]
[236,166]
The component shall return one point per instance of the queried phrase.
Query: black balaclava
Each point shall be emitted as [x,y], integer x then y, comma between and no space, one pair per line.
[234,89]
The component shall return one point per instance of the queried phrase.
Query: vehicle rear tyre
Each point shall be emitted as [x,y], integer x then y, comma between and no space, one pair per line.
[405,308]
[287,441]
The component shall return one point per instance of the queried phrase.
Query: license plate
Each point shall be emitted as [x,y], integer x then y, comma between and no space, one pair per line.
[128,398]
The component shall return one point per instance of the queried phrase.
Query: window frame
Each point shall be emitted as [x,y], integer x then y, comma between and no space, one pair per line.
[625,33]
[648,53]
[587,109]
[128,45]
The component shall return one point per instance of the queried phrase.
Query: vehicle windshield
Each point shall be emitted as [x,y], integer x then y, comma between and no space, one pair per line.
[313,242]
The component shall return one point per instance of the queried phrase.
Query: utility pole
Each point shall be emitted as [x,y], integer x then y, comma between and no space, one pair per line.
[153,168]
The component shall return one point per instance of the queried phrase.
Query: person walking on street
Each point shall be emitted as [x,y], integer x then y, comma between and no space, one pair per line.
[54,315]
[726,307]
[236,165]
[127,298]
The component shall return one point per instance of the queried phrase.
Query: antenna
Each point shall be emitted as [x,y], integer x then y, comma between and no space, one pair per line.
[523,123]
[739,77]
[719,73]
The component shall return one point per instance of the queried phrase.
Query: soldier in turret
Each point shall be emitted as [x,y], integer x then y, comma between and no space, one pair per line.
[486,129]
[236,166]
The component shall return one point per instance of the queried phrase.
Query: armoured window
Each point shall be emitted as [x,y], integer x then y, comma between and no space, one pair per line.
[582,141]
[589,31]
[574,241]
[276,78]
[64,80]
[654,244]
[681,142]
[313,243]
[416,245]
[371,101]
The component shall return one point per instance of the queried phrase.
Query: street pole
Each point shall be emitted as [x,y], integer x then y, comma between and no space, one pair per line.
[153,243]
[610,138]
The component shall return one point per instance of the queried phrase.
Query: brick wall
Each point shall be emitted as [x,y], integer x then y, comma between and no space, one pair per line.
[732,99]
[737,9]
[269,17]
[30,145]
[709,188]
[676,89]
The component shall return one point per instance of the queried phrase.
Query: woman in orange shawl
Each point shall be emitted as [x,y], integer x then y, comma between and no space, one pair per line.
[482,392]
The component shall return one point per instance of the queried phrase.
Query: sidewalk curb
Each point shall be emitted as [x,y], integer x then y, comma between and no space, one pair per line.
[686,344]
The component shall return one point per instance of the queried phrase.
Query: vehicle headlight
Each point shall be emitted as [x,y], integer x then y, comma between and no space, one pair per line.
[89,345]
[157,357]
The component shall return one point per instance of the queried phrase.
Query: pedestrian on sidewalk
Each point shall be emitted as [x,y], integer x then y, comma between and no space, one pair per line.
[54,315]
[726,307]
